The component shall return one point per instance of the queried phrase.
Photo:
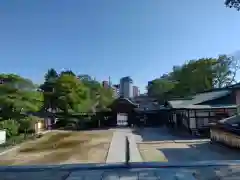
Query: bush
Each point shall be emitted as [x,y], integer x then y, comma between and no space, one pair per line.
[27,125]
[11,126]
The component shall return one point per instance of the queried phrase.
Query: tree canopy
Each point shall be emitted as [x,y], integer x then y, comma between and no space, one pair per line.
[62,92]
[68,92]
[233,4]
[194,76]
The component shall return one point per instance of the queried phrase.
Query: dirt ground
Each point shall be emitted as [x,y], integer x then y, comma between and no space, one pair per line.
[150,153]
[194,151]
[61,148]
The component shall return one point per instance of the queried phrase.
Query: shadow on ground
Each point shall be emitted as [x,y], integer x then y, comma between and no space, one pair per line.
[162,134]
[199,152]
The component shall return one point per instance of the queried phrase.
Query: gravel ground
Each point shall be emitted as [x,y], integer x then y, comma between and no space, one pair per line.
[61,148]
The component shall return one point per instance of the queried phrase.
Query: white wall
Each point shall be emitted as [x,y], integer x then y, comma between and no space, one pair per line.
[199,113]
[2,136]
[122,119]
[192,124]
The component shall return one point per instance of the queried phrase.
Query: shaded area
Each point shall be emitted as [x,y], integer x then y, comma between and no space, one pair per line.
[161,134]
[181,152]
[151,154]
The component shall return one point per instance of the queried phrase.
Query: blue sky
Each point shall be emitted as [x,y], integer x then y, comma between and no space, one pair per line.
[138,38]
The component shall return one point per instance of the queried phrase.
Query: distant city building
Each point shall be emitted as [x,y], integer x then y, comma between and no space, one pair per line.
[136,91]
[126,87]
[116,90]
[105,84]
[117,86]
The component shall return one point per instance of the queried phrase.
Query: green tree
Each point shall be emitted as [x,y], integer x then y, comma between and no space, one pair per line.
[233,4]
[159,87]
[69,93]
[48,89]
[11,126]
[18,95]
[100,96]
[192,77]
[18,98]
[225,70]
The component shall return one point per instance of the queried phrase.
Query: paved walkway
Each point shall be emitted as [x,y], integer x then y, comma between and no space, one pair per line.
[135,155]
[117,148]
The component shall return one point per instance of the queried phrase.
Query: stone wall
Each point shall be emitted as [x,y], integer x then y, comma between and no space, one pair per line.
[224,137]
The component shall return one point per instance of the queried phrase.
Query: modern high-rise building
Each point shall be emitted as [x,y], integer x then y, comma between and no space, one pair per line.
[126,87]
[136,91]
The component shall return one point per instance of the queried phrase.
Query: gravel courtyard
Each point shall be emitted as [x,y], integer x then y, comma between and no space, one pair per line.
[61,148]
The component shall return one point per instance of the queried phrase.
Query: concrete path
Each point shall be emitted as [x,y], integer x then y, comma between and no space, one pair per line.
[135,155]
[117,148]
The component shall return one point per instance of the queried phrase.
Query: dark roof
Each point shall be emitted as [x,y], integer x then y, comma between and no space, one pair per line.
[195,101]
[234,86]
[231,124]
[129,101]
[230,120]
[126,100]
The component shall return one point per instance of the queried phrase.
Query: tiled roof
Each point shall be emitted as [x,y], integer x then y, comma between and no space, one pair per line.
[199,98]
[131,102]
[231,124]
[230,120]
[219,106]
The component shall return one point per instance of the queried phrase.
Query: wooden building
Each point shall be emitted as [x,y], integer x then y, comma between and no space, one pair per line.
[195,113]
[123,112]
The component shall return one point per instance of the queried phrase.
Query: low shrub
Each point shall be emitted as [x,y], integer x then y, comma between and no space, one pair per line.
[11,126]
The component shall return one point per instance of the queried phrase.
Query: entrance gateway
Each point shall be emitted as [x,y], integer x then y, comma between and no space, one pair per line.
[122,110]
[122,119]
